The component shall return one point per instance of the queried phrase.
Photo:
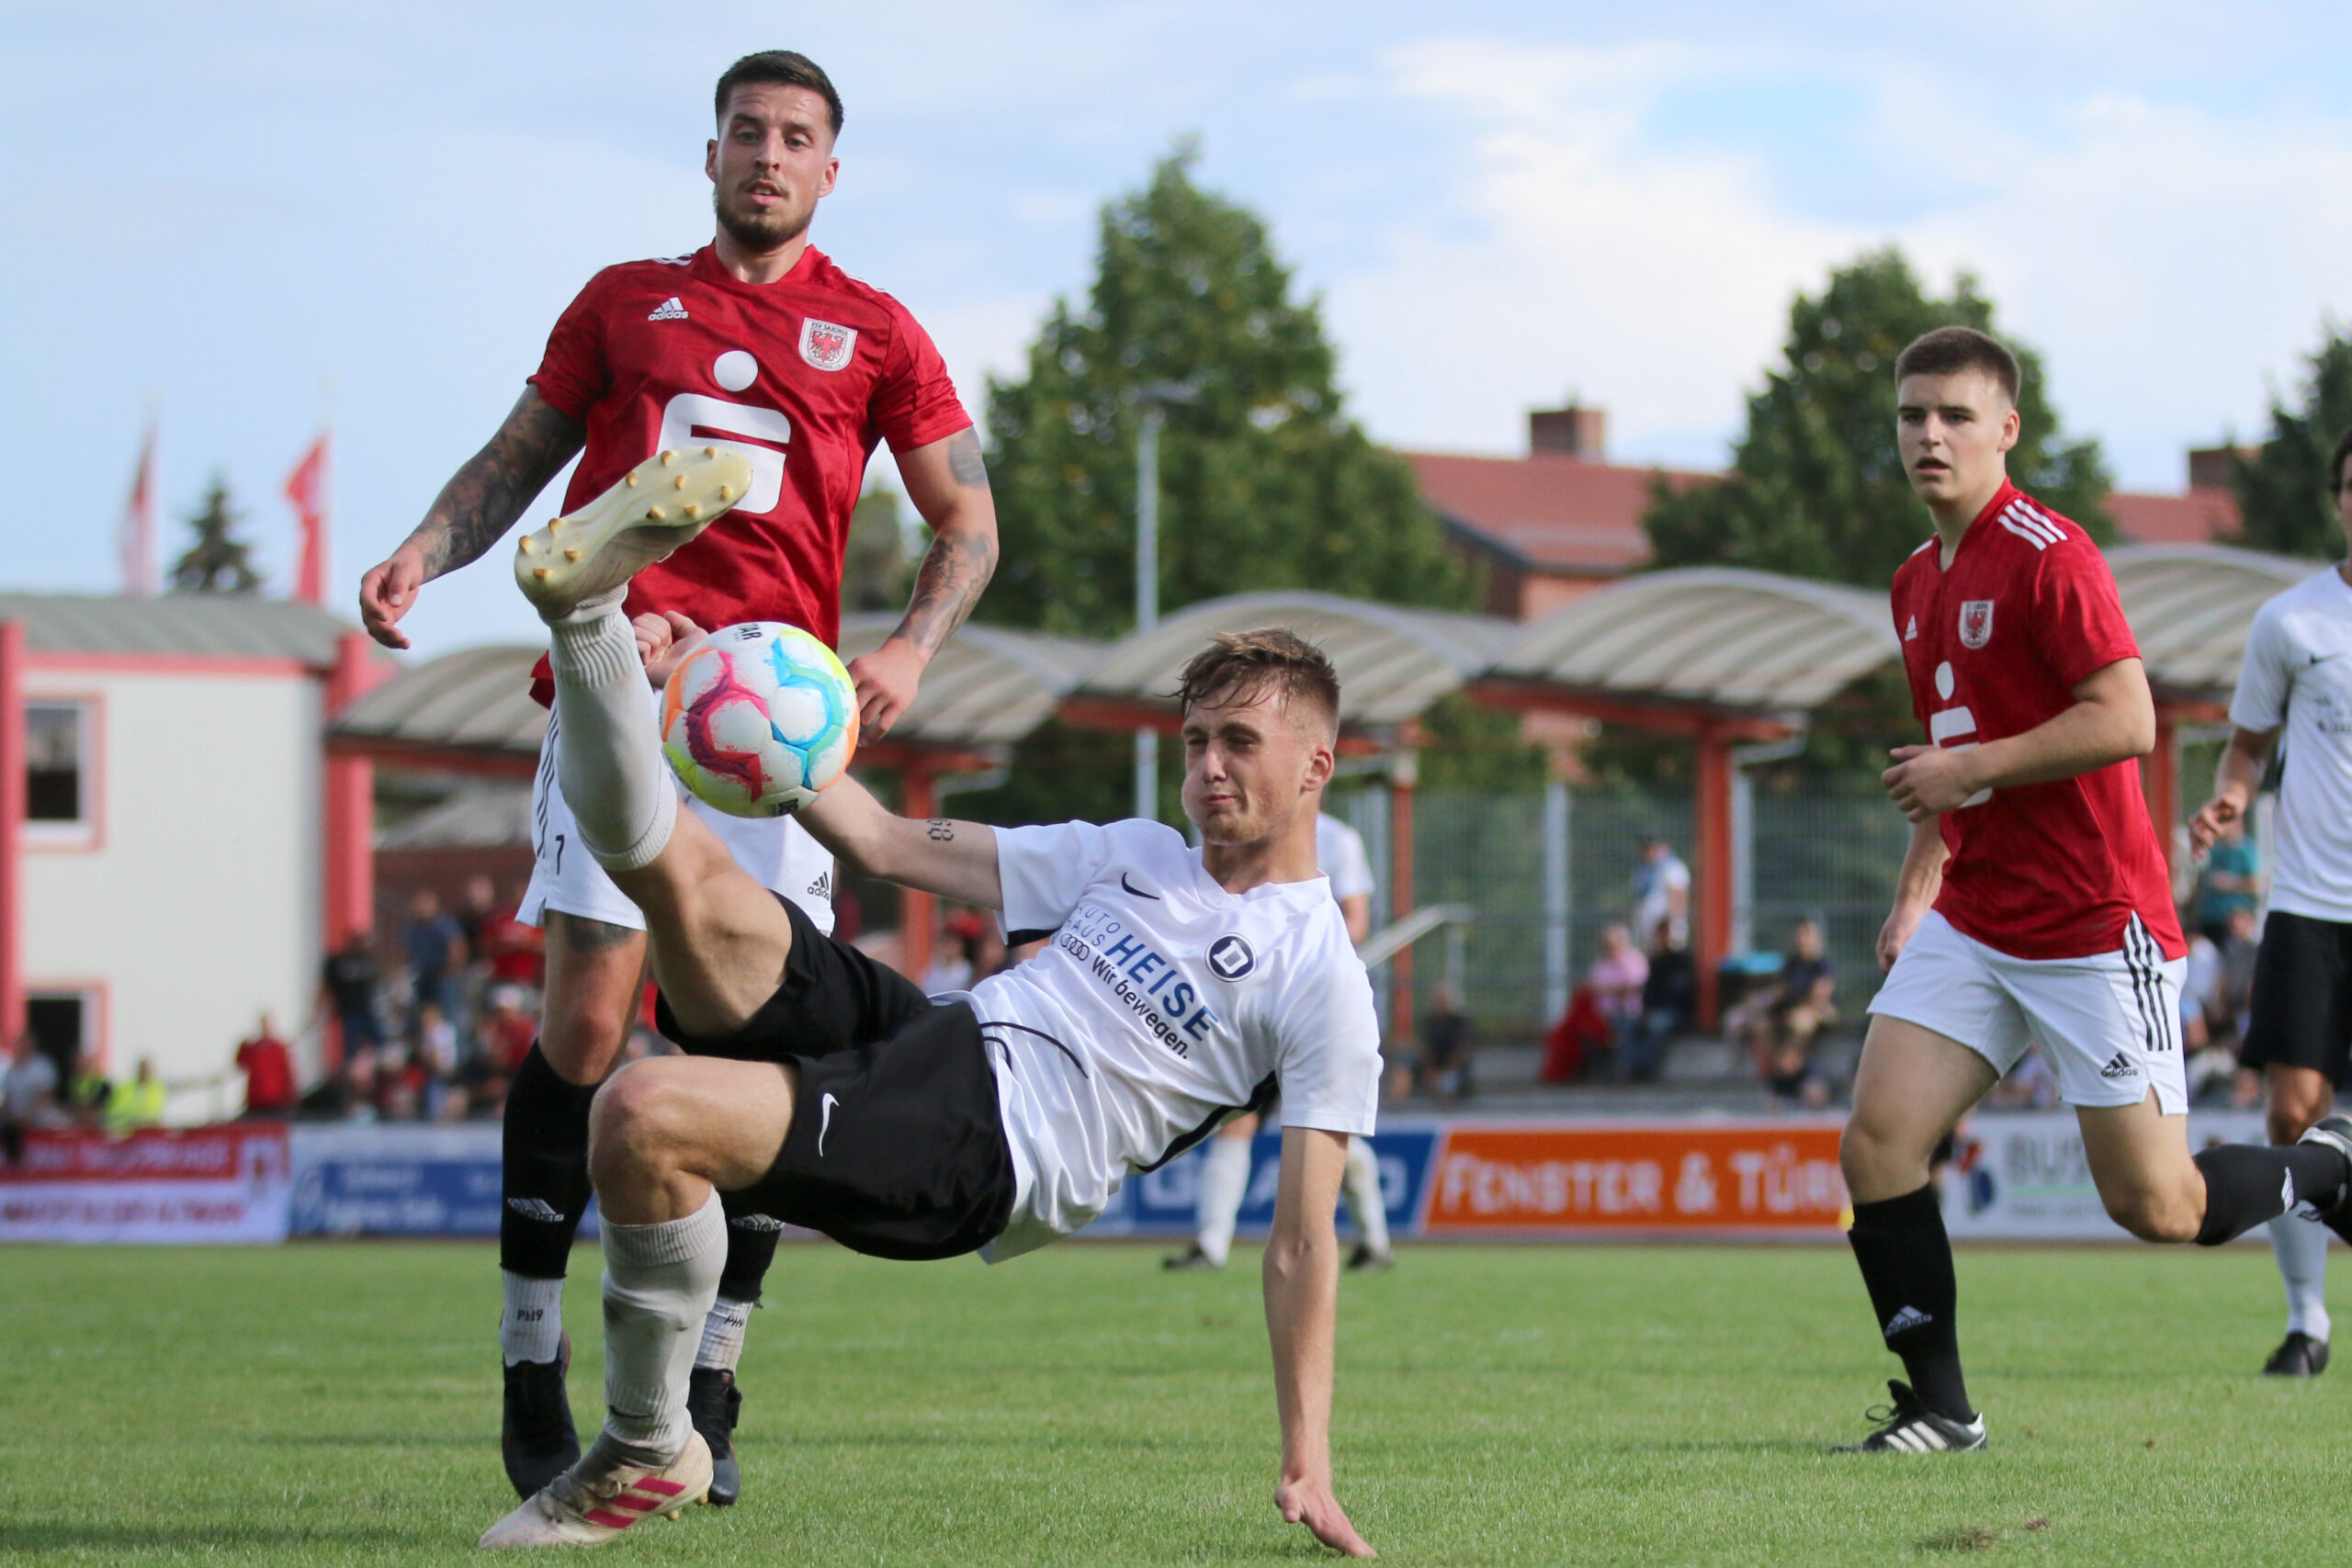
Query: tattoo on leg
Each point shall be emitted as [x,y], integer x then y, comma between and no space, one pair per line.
[592,936]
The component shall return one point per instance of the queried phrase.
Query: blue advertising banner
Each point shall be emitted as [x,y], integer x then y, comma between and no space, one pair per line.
[1161,1202]
[416,1181]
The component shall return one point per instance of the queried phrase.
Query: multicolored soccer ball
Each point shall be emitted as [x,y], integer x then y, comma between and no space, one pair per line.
[759,719]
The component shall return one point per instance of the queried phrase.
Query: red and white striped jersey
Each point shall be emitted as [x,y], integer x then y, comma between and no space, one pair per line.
[1994,646]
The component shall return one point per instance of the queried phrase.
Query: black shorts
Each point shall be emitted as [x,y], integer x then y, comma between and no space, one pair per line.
[2301,1003]
[897,1148]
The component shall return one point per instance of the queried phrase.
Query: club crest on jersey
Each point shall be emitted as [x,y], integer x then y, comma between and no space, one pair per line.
[1231,958]
[825,345]
[1975,623]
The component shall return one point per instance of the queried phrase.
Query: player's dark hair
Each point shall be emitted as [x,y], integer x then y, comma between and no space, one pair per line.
[1947,351]
[1244,664]
[784,67]
[2335,463]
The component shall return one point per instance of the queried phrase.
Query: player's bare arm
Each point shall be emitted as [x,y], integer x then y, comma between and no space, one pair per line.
[473,511]
[948,483]
[1301,1285]
[955,859]
[1915,888]
[2244,761]
[2113,719]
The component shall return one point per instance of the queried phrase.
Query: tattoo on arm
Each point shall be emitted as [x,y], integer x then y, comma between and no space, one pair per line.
[956,567]
[942,832]
[964,464]
[482,500]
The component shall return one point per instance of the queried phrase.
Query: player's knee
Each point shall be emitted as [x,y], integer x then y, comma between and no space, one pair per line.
[581,1036]
[2154,1215]
[2294,1109]
[1878,1163]
[631,1120]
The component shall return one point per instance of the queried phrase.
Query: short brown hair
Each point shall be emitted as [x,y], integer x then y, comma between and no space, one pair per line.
[2336,462]
[1247,664]
[1947,351]
[784,67]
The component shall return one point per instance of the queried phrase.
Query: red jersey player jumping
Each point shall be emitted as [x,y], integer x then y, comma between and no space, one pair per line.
[759,344]
[2033,906]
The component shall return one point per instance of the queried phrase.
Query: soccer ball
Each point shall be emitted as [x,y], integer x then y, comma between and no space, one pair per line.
[759,719]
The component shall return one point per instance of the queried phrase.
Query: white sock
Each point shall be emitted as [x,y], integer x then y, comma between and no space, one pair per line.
[1224,1178]
[607,751]
[660,1281]
[530,1329]
[2300,1246]
[1361,1186]
[722,1335]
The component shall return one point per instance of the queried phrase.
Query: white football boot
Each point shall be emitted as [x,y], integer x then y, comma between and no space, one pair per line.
[604,1494]
[658,507]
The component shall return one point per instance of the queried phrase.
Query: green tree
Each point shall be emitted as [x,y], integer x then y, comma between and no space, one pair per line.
[876,569]
[217,562]
[2283,491]
[1265,480]
[1816,488]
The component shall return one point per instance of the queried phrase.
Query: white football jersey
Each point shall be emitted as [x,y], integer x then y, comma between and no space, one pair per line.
[1162,1005]
[2298,672]
[1338,852]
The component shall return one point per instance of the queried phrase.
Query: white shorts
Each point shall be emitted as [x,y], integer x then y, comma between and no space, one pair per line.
[2109,1025]
[777,850]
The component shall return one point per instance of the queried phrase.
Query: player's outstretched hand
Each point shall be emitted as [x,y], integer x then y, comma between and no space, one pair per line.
[887,678]
[1928,780]
[665,641]
[1308,1501]
[387,592]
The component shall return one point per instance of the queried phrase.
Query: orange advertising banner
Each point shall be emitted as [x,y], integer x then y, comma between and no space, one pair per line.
[1776,1176]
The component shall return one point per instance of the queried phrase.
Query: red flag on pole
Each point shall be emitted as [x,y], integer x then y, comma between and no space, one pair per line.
[138,533]
[306,486]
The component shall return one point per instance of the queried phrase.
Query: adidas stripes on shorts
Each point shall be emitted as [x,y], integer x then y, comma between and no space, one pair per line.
[2109,1024]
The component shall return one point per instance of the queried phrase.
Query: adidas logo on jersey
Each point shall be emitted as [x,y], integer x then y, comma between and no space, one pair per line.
[668,310]
[822,887]
[2121,1067]
[1906,1320]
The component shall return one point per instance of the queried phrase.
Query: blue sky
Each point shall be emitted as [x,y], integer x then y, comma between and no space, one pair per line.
[225,210]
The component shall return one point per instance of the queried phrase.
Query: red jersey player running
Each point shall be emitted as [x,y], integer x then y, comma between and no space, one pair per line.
[758,345]
[2033,904]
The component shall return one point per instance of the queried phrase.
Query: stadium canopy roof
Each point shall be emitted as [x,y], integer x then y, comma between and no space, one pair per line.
[213,625]
[988,686]
[1702,638]
[1393,661]
[2193,605]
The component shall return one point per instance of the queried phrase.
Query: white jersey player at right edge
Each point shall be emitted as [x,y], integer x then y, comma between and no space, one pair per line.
[2297,676]
[1181,986]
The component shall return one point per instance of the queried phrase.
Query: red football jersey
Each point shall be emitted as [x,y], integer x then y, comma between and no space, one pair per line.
[802,376]
[1994,646]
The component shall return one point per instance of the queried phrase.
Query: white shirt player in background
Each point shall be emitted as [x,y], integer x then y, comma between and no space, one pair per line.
[1225,1166]
[2297,677]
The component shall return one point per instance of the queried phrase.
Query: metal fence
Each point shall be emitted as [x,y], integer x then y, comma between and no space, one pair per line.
[1828,855]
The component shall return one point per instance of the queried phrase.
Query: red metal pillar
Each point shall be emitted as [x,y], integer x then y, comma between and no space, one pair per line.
[12,831]
[350,806]
[1712,874]
[2160,777]
[1401,780]
[918,911]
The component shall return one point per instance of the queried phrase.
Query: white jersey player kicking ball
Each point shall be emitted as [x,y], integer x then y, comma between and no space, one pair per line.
[1181,988]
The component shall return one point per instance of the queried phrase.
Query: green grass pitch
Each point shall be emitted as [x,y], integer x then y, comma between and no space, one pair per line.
[338,1403]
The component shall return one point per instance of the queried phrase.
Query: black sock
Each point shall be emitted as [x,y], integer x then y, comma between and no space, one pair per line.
[543,1171]
[2246,1184]
[750,1247]
[1906,1260]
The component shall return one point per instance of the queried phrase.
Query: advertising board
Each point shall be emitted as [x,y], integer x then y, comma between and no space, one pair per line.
[177,1185]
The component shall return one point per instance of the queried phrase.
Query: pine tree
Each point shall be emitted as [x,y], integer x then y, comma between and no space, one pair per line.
[218,562]
[1817,487]
[2283,491]
[1265,482]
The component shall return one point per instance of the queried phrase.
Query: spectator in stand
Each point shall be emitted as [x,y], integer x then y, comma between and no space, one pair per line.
[1443,1071]
[1617,977]
[2232,880]
[87,1091]
[1801,1006]
[347,990]
[138,1102]
[2241,943]
[516,953]
[436,958]
[1661,890]
[28,1096]
[268,1066]
[2027,1086]
[1578,1042]
[1669,1005]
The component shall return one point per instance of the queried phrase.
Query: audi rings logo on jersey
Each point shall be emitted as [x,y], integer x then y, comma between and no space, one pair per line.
[826,345]
[1975,623]
[1231,958]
